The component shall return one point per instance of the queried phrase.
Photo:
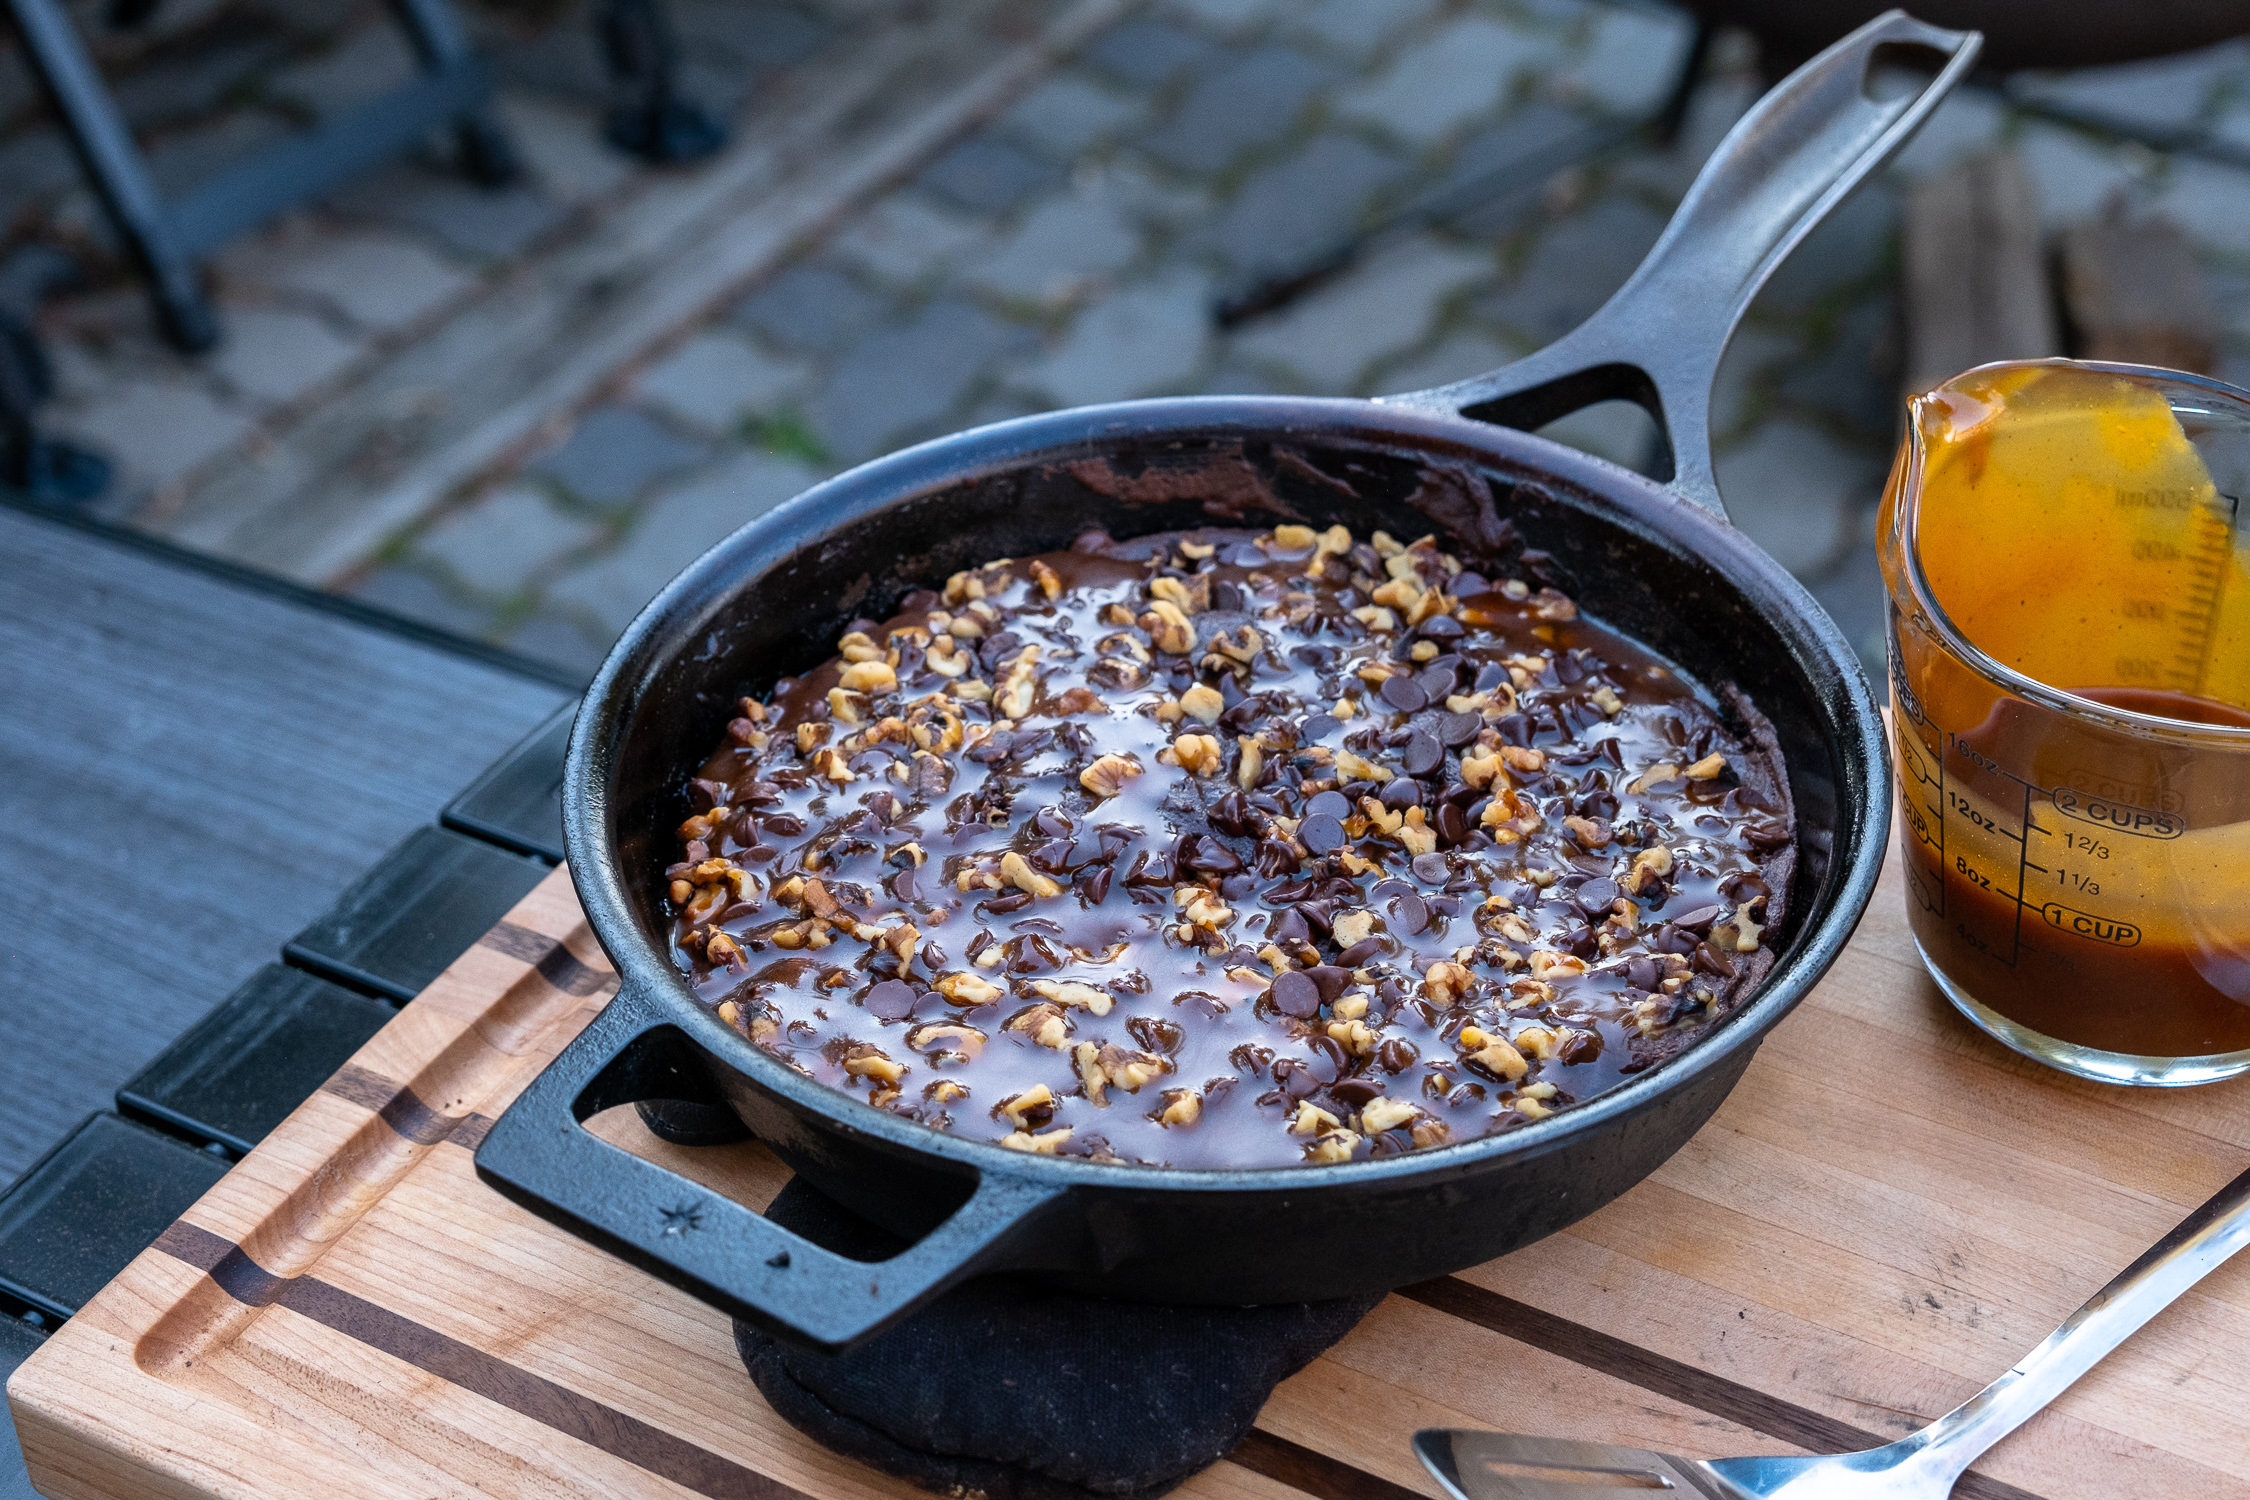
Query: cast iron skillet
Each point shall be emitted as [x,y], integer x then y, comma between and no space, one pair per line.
[1656,560]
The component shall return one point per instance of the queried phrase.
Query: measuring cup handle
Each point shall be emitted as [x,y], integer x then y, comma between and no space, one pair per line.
[1797,154]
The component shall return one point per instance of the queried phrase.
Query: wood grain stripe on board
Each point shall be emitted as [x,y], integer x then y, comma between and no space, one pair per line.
[1814,1431]
[1314,1473]
[552,961]
[603,1426]
[402,1109]
[592,1422]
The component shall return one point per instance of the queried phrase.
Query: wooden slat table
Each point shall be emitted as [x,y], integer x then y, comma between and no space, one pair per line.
[193,764]
[1887,1212]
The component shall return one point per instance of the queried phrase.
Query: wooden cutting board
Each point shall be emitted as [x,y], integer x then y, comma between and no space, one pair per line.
[1885,1214]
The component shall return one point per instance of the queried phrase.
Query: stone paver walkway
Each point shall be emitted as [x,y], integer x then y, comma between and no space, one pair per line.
[1071,252]
[1071,249]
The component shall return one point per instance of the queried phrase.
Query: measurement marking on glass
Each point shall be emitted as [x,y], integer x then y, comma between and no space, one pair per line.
[2211,557]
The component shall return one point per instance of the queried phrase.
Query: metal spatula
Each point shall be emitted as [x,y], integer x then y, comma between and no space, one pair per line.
[1509,1466]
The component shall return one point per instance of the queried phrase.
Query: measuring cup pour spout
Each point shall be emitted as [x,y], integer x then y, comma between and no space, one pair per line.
[2070,683]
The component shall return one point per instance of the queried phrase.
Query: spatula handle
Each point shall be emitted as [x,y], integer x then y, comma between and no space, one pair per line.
[2190,1252]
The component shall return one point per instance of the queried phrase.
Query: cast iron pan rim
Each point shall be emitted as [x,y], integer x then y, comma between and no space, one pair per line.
[1618,495]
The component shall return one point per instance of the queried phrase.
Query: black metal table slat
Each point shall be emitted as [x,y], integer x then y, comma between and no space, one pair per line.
[518,803]
[238,1072]
[91,1204]
[424,902]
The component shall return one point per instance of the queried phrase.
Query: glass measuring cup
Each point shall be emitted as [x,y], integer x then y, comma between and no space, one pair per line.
[2070,696]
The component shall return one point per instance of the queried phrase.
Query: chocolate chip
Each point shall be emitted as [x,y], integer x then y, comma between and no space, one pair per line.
[1396,1055]
[1276,859]
[1436,681]
[1640,972]
[1700,919]
[1321,833]
[1402,792]
[905,886]
[1002,905]
[1332,979]
[1329,805]
[1210,856]
[1430,867]
[1319,727]
[1296,995]
[1290,927]
[1359,953]
[1405,695]
[1095,883]
[1456,730]
[1358,1092]
[1439,628]
[1231,814]
[892,1000]
[1410,914]
[1596,895]
[1452,825]
[1468,583]
[1423,754]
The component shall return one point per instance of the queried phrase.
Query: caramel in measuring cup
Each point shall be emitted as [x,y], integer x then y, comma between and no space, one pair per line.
[2082,873]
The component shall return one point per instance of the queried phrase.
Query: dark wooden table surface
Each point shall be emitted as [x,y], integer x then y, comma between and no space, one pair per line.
[198,770]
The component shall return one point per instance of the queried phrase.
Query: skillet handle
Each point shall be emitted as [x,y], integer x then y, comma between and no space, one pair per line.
[1797,154]
[540,1155]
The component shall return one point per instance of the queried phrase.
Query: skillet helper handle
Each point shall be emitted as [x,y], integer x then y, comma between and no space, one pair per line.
[1796,155]
[540,1155]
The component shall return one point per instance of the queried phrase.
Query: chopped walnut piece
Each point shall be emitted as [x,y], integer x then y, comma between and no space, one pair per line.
[1710,766]
[1039,1145]
[1168,628]
[1017,870]
[1086,1058]
[1523,758]
[1180,1107]
[1446,983]
[1652,863]
[1311,1119]
[1352,927]
[1016,1106]
[945,1091]
[1049,581]
[1336,1145]
[1249,763]
[1501,1060]
[1550,966]
[1294,538]
[869,677]
[946,1039]
[1196,754]
[869,1061]
[1108,775]
[947,659]
[968,989]
[1046,1025]
[1654,776]
[1384,1114]
[1075,995]
[1203,703]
